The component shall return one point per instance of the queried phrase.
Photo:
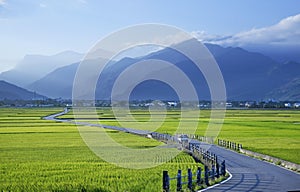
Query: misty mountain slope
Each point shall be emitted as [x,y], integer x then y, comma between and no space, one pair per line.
[57,83]
[34,67]
[247,76]
[287,92]
[13,92]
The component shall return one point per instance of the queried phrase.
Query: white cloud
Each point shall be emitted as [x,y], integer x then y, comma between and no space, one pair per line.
[206,37]
[286,32]
[2,2]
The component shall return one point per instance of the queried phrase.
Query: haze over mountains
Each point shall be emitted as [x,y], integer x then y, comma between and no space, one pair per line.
[247,75]
[13,92]
[34,67]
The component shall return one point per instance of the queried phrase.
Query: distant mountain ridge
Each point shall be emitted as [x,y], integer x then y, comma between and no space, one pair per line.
[247,75]
[13,92]
[34,67]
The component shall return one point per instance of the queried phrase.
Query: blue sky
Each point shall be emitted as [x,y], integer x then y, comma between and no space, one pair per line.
[48,27]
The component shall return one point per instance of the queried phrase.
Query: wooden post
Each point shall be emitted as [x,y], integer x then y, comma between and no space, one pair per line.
[190,179]
[217,169]
[179,184]
[213,171]
[206,175]
[199,175]
[215,157]
[223,168]
[166,183]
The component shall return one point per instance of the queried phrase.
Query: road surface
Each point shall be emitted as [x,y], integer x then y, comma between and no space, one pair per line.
[249,174]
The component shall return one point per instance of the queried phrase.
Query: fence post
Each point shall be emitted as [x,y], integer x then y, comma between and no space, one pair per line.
[217,168]
[179,184]
[213,171]
[166,183]
[199,175]
[190,178]
[223,168]
[206,175]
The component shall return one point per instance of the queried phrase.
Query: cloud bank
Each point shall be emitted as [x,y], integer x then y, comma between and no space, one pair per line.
[286,32]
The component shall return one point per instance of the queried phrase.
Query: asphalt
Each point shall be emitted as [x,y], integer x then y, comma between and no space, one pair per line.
[248,174]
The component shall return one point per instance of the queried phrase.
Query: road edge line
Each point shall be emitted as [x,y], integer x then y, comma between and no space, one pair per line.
[222,182]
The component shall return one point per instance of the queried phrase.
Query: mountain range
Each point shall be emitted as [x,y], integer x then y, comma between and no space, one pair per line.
[34,67]
[247,75]
[13,92]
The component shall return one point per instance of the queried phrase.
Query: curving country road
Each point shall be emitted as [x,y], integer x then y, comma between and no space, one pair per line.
[248,174]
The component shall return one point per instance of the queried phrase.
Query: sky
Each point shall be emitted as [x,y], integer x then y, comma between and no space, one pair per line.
[48,27]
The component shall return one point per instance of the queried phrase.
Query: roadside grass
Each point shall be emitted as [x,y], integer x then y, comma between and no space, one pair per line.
[271,132]
[39,155]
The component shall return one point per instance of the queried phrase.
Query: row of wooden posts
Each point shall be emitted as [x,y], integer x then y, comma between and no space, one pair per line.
[202,138]
[214,172]
[163,137]
[205,157]
[230,145]
[208,159]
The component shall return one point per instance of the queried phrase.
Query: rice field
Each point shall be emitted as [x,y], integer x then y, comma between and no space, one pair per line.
[271,132]
[39,155]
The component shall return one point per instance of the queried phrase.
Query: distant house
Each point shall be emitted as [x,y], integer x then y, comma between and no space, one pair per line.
[249,104]
[297,105]
[172,104]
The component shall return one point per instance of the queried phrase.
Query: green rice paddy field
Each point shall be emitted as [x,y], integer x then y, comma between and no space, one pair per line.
[40,155]
[272,132]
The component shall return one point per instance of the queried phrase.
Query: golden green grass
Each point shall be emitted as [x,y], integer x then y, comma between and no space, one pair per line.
[39,155]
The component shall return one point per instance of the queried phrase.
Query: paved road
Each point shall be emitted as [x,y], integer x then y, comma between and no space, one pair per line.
[248,174]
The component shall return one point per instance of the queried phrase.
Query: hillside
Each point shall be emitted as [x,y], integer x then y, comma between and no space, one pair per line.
[34,67]
[247,76]
[13,92]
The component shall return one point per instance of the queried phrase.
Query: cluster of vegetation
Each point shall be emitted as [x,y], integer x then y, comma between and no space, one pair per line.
[271,132]
[40,155]
[144,104]
[35,103]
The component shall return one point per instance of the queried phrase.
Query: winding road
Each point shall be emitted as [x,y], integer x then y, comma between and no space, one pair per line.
[248,174]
